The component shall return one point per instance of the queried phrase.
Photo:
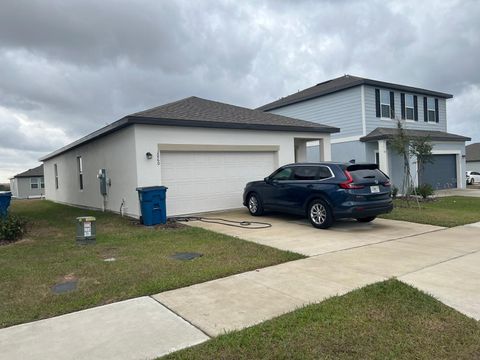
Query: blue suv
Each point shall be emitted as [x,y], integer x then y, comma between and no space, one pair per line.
[323,192]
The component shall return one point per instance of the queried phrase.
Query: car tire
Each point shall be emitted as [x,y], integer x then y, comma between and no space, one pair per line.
[254,205]
[320,214]
[366,219]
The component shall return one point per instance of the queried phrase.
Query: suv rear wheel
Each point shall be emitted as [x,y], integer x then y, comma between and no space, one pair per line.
[320,214]
[255,206]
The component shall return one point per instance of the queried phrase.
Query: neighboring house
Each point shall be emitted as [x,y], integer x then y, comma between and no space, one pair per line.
[366,111]
[473,157]
[28,184]
[203,151]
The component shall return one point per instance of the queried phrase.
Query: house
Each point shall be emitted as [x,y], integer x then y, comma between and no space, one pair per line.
[367,112]
[28,184]
[473,157]
[203,151]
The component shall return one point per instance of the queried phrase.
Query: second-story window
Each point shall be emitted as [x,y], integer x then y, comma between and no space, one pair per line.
[385,103]
[409,107]
[80,171]
[430,110]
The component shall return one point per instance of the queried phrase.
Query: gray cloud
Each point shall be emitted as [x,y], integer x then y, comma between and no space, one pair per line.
[69,68]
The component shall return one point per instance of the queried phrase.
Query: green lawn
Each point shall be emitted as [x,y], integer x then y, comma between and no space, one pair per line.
[446,211]
[48,255]
[388,320]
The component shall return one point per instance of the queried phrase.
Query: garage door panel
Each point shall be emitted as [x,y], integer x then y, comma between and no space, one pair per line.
[208,181]
[441,173]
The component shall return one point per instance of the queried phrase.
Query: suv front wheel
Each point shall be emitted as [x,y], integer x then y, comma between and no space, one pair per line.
[320,214]
[255,206]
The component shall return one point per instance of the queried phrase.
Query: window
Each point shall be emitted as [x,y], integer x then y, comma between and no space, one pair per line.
[409,107]
[305,172]
[42,183]
[80,171]
[311,173]
[55,170]
[431,110]
[324,173]
[33,183]
[385,103]
[283,174]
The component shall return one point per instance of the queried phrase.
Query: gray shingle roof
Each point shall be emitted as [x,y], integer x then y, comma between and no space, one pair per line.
[472,152]
[382,133]
[35,172]
[341,83]
[197,112]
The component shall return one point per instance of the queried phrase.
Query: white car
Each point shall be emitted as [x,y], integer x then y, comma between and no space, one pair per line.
[473,177]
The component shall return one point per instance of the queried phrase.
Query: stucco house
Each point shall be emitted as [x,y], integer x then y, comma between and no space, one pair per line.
[367,111]
[28,184]
[473,157]
[203,151]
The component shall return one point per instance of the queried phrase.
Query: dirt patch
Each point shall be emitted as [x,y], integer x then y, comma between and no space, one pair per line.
[169,225]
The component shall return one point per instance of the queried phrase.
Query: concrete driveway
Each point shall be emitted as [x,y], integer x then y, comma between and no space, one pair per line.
[295,234]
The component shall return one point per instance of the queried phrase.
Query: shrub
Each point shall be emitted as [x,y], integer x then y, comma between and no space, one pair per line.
[394,192]
[12,228]
[425,190]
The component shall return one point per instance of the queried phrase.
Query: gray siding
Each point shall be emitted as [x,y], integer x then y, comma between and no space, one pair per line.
[342,109]
[347,151]
[473,166]
[22,189]
[373,122]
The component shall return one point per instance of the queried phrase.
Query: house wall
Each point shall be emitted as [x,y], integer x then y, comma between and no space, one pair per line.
[342,109]
[123,154]
[347,151]
[148,137]
[23,189]
[372,122]
[14,187]
[114,152]
[473,166]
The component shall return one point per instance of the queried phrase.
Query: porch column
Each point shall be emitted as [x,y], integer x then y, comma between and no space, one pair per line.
[325,146]
[383,156]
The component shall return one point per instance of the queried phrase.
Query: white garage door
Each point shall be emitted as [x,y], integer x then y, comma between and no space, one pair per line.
[208,181]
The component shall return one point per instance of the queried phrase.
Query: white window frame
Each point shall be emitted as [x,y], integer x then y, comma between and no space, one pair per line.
[55,172]
[430,109]
[42,183]
[80,172]
[387,104]
[36,183]
[410,107]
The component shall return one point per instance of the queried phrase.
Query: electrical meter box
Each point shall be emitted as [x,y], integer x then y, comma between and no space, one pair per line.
[102,177]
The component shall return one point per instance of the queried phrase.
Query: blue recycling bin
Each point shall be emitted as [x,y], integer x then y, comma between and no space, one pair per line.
[153,204]
[5,197]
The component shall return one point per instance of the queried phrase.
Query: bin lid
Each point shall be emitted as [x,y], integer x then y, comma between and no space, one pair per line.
[85,218]
[5,193]
[152,188]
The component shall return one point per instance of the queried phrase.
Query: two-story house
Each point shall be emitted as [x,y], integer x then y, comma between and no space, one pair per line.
[367,111]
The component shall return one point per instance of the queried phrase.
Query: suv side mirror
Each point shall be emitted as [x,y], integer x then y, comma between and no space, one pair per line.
[267,180]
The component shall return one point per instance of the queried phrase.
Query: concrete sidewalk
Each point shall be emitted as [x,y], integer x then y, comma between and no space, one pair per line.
[424,260]
[443,262]
[139,328]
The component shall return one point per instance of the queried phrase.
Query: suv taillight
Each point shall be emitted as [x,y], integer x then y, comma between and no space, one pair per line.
[349,183]
[387,183]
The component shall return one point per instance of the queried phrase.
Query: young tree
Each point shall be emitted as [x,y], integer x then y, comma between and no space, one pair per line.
[409,147]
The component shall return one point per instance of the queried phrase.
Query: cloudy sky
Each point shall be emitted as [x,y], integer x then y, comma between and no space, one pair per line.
[70,67]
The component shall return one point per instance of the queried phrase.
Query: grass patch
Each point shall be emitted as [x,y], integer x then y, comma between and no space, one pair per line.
[445,211]
[48,254]
[387,320]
